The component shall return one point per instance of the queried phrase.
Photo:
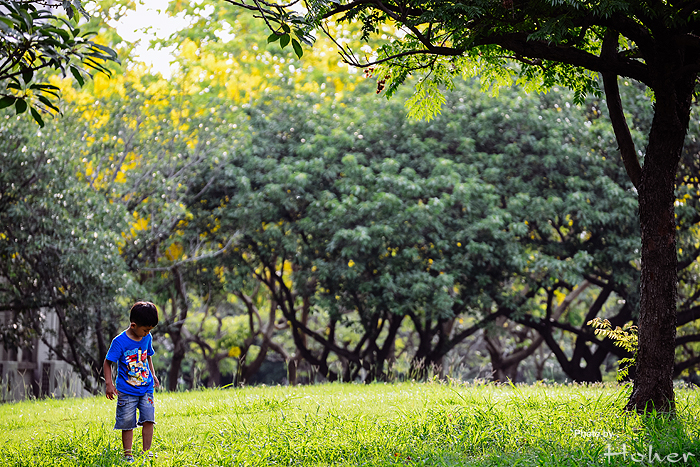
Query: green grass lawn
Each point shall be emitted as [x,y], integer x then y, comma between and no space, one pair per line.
[408,424]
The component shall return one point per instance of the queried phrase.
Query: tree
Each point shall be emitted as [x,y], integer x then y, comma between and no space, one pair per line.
[58,248]
[359,222]
[615,274]
[33,40]
[543,43]
[142,155]
[136,141]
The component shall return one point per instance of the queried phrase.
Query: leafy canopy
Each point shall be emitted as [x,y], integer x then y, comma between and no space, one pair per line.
[33,40]
[538,43]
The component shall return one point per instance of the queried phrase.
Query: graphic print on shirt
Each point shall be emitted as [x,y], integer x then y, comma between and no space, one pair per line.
[137,367]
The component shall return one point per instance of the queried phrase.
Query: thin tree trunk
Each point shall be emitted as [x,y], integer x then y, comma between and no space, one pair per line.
[76,359]
[292,364]
[214,380]
[101,347]
[179,350]
[175,331]
[248,371]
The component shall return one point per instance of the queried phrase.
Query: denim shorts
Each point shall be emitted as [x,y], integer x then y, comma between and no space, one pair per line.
[126,411]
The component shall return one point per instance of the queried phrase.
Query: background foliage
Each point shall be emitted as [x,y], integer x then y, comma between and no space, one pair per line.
[292,226]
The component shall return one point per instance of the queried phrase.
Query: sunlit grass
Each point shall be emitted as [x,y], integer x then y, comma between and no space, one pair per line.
[408,424]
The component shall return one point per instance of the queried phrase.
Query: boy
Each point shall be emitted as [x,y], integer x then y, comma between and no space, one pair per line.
[132,350]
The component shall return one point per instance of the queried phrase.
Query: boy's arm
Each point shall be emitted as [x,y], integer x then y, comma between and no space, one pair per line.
[110,390]
[156,383]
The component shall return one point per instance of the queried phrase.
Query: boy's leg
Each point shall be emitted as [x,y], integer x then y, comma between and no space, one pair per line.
[126,421]
[147,435]
[147,419]
[127,441]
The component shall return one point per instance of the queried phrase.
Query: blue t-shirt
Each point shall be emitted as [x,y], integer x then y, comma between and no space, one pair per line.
[133,374]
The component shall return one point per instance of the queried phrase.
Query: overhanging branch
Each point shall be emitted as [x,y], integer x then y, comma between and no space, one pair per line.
[617,116]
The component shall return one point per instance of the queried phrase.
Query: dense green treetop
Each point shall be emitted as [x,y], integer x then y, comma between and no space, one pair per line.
[375,216]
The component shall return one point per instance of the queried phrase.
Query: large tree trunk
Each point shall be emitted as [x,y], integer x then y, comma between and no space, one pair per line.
[653,383]
[673,83]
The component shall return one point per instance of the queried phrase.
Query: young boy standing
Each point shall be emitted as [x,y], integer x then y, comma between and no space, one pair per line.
[132,350]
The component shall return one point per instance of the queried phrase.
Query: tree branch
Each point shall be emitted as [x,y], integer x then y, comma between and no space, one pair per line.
[686,339]
[678,368]
[197,258]
[689,260]
[686,316]
[617,116]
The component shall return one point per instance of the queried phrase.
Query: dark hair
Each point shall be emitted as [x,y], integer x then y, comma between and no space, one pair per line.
[144,314]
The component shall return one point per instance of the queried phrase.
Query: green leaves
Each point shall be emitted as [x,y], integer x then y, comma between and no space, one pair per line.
[285,38]
[7,101]
[20,106]
[73,7]
[443,40]
[626,337]
[77,75]
[27,75]
[35,39]
[37,117]
[297,48]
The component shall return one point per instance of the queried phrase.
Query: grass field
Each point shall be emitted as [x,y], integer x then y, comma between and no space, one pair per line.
[408,424]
